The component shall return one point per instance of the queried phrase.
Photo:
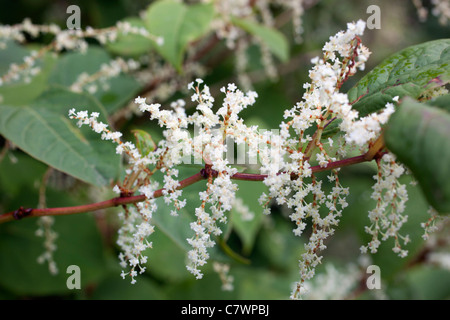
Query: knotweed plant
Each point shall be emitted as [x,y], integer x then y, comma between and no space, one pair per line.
[288,162]
[298,162]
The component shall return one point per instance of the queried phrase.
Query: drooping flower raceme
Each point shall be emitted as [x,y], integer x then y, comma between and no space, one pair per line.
[386,219]
[132,236]
[178,147]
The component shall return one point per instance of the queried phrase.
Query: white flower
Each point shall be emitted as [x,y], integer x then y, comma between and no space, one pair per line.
[139,100]
[116,189]
[387,218]
[159,41]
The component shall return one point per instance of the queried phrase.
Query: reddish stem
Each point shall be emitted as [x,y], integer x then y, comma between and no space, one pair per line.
[114,202]
[124,200]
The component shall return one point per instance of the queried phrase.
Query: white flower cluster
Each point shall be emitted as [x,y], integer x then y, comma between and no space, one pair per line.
[22,72]
[72,38]
[65,40]
[222,24]
[334,284]
[172,151]
[100,78]
[137,225]
[132,237]
[126,28]
[45,231]
[322,101]
[433,224]
[220,193]
[387,219]
[368,128]
[178,145]
[441,259]
[16,32]
[257,10]
[223,269]
[285,159]
[430,226]
[439,8]
[243,210]
[260,12]
[297,7]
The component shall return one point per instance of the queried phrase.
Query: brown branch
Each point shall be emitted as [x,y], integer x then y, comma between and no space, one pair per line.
[207,48]
[203,174]
[329,166]
[114,202]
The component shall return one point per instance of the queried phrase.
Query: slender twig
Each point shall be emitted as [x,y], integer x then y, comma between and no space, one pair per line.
[209,46]
[114,202]
[124,200]
[43,187]
[329,166]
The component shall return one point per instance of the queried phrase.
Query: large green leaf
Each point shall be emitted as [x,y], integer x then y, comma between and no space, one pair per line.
[419,135]
[411,72]
[179,24]
[275,40]
[118,90]
[44,131]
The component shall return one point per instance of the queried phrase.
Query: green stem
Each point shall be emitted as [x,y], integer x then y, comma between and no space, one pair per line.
[229,252]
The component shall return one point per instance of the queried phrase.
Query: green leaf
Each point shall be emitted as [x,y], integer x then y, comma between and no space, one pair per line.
[419,135]
[113,92]
[176,228]
[144,141]
[275,40]
[247,230]
[262,284]
[442,102]
[164,249]
[413,72]
[179,24]
[44,131]
[131,44]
